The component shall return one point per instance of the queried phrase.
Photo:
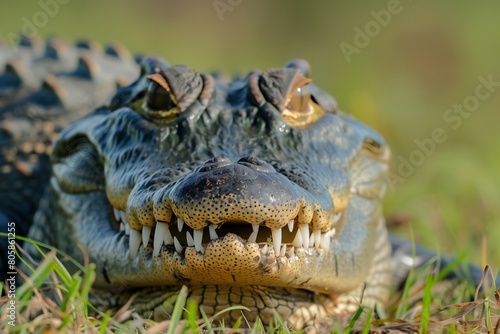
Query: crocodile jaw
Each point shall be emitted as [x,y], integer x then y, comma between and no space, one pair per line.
[332,267]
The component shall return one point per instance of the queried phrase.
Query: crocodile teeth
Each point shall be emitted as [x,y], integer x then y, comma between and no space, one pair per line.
[325,243]
[311,239]
[122,227]
[304,230]
[253,236]
[283,250]
[127,229]
[146,232]
[276,240]
[123,217]
[160,233]
[264,249]
[177,245]
[317,239]
[212,232]
[180,224]
[291,252]
[198,237]
[134,242]
[168,238]
[297,242]
[290,225]
[189,239]
[116,213]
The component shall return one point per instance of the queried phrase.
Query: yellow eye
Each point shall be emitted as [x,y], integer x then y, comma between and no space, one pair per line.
[300,100]
[159,102]
[301,110]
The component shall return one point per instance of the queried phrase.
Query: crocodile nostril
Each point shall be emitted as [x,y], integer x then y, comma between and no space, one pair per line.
[256,164]
[213,163]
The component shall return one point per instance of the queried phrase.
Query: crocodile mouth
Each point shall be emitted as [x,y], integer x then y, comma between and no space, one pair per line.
[247,201]
[177,235]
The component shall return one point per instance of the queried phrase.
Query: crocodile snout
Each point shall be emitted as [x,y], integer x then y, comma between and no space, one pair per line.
[248,190]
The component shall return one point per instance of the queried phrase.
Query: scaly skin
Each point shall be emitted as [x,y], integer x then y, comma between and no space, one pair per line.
[43,89]
[259,189]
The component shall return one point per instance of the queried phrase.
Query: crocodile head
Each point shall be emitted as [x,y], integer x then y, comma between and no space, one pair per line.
[256,183]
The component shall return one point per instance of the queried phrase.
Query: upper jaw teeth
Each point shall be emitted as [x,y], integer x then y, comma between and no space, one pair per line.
[161,235]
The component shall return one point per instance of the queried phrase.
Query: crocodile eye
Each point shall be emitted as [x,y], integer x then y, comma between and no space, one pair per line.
[301,109]
[158,98]
[158,102]
[300,100]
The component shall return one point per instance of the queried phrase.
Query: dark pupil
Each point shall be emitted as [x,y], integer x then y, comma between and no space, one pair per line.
[158,98]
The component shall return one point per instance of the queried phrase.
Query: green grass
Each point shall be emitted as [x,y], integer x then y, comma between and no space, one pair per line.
[54,301]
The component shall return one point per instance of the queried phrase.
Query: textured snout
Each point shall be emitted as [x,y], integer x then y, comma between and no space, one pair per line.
[249,190]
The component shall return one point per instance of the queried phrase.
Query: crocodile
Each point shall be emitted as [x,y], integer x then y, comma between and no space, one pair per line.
[256,191]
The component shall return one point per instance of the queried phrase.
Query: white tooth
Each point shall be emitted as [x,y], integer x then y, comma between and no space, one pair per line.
[160,232]
[122,227]
[311,240]
[146,232]
[168,238]
[283,250]
[304,230]
[264,249]
[255,228]
[325,243]
[116,213]
[317,238]
[189,239]
[198,237]
[134,242]
[290,225]
[177,245]
[123,216]
[336,217]
[297,242]
[180,224]
[253,237]
[212,232]
[327,238]
[291,253]
[127,228]
[276,240]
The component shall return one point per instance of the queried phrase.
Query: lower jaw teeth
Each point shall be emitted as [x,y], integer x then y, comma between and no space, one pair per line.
[134,242]
[162,235]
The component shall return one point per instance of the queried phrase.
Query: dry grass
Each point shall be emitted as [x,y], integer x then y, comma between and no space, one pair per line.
[426,304]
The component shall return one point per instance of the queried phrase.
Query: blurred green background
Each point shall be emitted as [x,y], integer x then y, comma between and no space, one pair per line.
[401,79]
